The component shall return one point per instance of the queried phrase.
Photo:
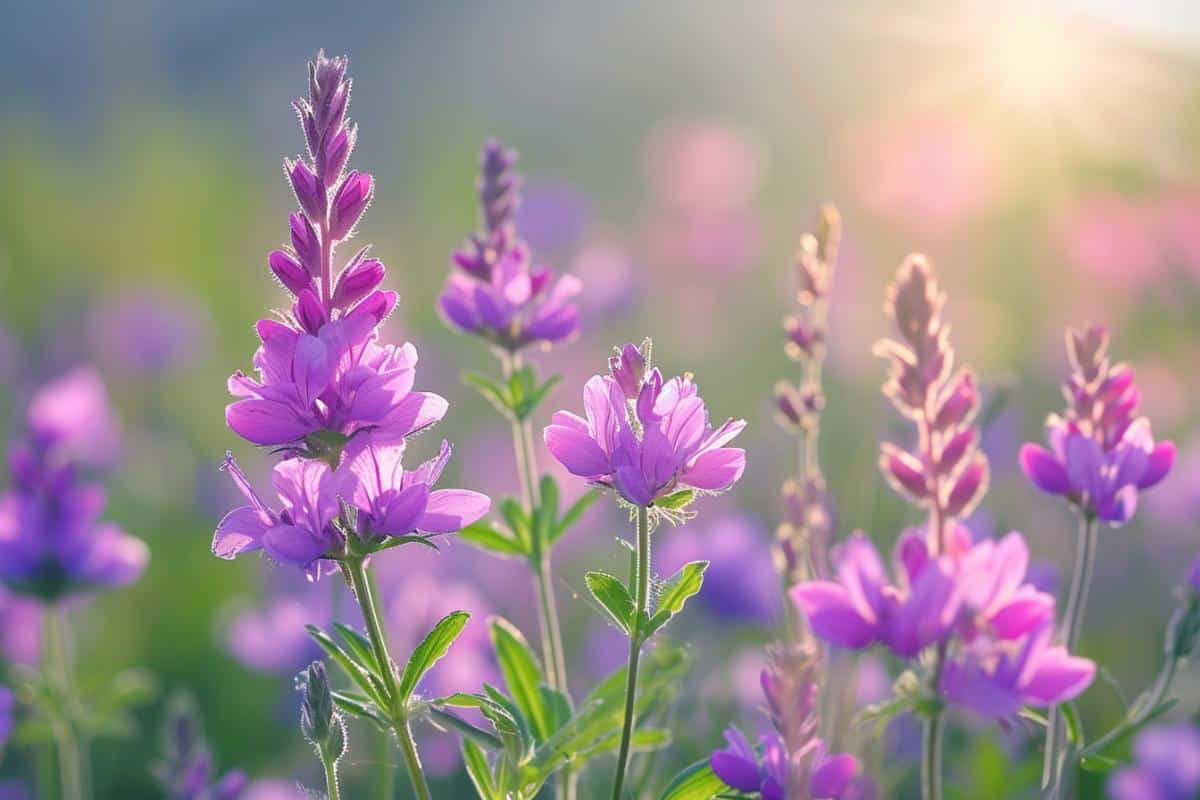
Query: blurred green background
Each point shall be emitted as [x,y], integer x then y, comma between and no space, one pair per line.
[1045,156]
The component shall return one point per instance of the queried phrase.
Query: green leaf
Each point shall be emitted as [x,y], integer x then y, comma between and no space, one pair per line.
[1098,763]
[676,501]
[697,782]
[546,516]
[613,596]
[365,681]
[431,650]
[388,542]
[495,393]
[574,513]
[522,675]
[477,735]
[536,394]
[485,537]
[359,646]
[518,522]
[1074,727]
[682,585]
[557,705]
[360,706]
[518,747]
[477,769]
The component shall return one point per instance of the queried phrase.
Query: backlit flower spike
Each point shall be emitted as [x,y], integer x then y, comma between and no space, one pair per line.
[302,531]
[393,501]
[1101,456]
[995,678]
[646,446]
[321,373]
[495,291]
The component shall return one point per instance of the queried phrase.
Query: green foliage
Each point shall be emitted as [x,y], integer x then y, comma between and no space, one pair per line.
[679,587]
[431,649]
[515,398]
[613,597]
[696,782]
[521,534]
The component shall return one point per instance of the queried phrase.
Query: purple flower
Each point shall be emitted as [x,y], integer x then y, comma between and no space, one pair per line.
[393,501]
[339,379]
[302,531]
[861,607]
[7,704]
[832,777]
[662,444]
[71,419]
[997,598]
[995,677]
[149,332]
[273,638]
[52,542]
[186,770]
[497,293]
[1101,456]
[1166,765]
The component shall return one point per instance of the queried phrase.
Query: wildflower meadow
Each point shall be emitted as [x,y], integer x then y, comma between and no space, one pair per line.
[631,402]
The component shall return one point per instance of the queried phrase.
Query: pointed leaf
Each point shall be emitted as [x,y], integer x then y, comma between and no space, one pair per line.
[522,675]
[518,522]
[697,782]
[359,647]
[477,769]
[495,393]
[574,513]
[546,516]
[682,585]
[477,735]
[485,537]
[367,682]
[431,650]
[613,597]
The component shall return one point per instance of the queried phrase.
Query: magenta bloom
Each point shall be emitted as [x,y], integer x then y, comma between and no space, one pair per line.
[1166,765]
[497,293]
[832,776]
[302,531]
[393,501]
[673,446]
[998,600]
[339,379]
[52,542]
[1101,455]
[861,607]
[995,678]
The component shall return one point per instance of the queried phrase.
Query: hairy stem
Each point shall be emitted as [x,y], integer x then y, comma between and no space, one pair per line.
[931,756]
[635,645]
[1081,579]
[72,756]
[360,581]
[331,779]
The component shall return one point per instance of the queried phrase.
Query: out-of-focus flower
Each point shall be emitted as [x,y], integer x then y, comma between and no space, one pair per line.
[273,638]
[740,583]
[1166,765]
[609,272]
[703,178]
[552,216]
[71,419]
[1112,239]
[274,789]
[665,444]
[187,771]
[998,601]
[995,677]
[149,333]
[1101,455]
[20,628]
[496,292]
[7,704]
[52,542]
[393,501]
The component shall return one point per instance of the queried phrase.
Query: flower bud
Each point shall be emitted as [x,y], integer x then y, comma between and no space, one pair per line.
[318,722]
[968,490]
[628,368]
[305,243]
[334,154]
[377,305]
[904,472]
[790,405]
[955,450]
[349,202]
[358,279]
[309,312]
[803,338]
[959,404]
[310,192]
[289,272]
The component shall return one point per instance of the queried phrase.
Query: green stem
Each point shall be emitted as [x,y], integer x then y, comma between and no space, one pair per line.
[331,779]
[1081,579]
[57,664]
[360,581]
[635,645]
[1162,685]
[931,756]
[385,790]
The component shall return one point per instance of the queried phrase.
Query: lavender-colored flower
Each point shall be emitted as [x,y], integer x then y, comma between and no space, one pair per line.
[273,638]
[322,371]
[52,542]
[1101,455]
[302,531]
[861,607]
[998,600]
[1166,765]
[832,777]
[496,292]
[149,332]
[994,677]
[393,501]
[7,704]
[649,444]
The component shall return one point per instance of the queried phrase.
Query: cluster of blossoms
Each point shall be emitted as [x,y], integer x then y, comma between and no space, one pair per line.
[792,761]
[645,437]
[328,393]
[805,533]
[52,540]
[496,291]
[969,603]
[1101,454]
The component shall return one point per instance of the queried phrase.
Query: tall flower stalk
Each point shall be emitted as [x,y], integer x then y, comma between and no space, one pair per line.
[339,406]
[1101,457]
[650,441]
[496,293]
